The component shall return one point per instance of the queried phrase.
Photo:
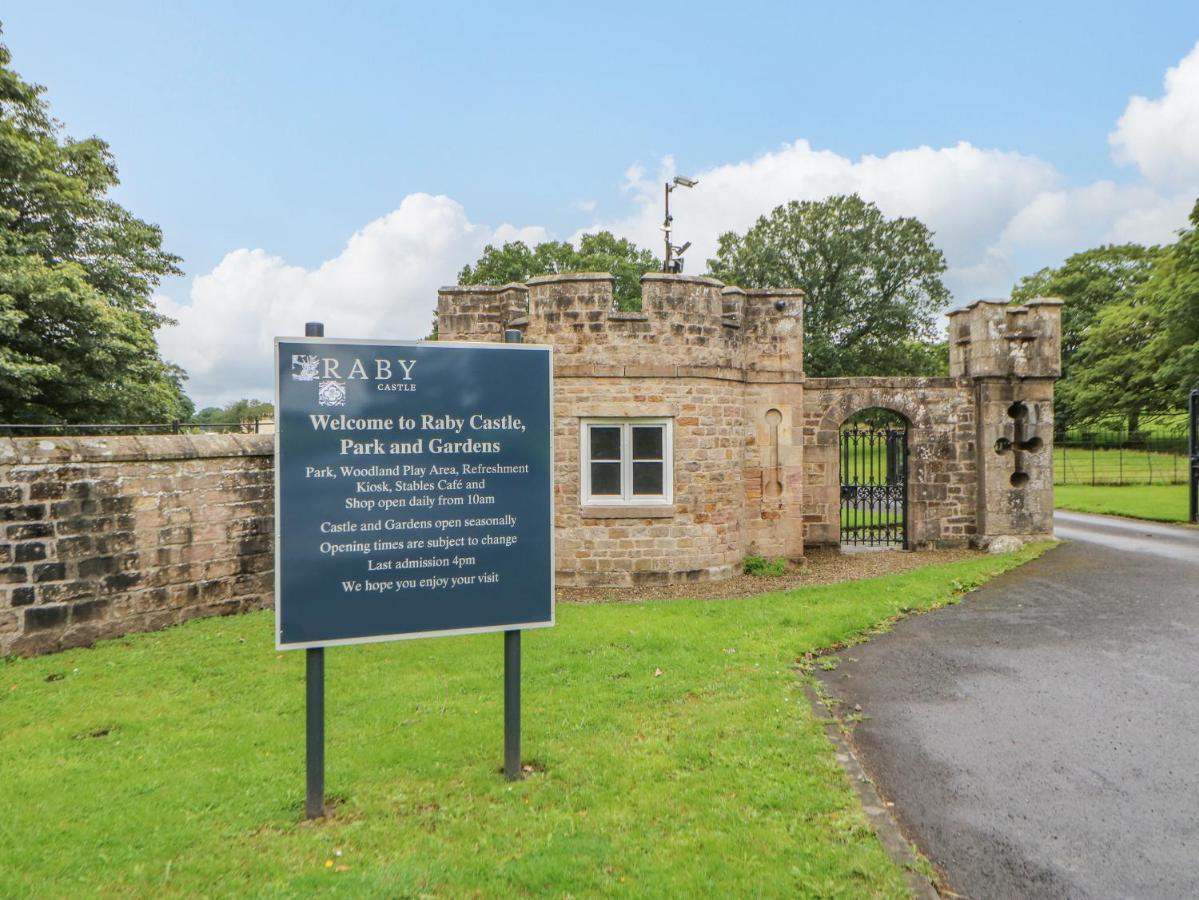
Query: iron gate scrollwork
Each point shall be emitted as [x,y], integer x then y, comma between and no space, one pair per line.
[874,485]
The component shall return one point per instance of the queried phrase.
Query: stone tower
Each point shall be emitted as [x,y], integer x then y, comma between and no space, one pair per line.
[1011,357]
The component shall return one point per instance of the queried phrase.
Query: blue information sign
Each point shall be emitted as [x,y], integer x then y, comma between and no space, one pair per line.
[413,490]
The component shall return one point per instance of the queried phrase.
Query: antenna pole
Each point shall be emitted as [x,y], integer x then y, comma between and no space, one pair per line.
[666,227]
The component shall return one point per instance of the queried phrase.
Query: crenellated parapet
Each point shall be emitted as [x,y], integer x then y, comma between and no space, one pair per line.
[479,312]
[993,339]
[685,322]
[772,326]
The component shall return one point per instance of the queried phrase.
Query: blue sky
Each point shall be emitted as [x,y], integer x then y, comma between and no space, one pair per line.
[289,128]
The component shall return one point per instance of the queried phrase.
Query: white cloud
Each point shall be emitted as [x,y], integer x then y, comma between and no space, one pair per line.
[965,194]
[996,214]
[1161,137]
[383,283]
[1065,221]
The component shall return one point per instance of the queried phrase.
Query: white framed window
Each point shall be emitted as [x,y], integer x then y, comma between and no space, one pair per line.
[626,461]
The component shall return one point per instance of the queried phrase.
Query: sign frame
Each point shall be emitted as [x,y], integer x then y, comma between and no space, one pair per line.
[280,645]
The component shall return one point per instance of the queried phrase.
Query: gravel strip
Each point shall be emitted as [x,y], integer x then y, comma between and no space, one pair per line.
[822,567]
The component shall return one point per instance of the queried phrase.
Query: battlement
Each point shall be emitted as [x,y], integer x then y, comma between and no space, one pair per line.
[993,339]
[479,312]
[684,321]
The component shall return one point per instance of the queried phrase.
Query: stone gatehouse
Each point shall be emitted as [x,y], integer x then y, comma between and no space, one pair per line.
[687,436]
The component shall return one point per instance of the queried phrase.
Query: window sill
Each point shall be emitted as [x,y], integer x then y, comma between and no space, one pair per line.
[628,511]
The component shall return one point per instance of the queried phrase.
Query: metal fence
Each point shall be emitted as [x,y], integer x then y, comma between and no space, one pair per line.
[250,426]
[1095,457]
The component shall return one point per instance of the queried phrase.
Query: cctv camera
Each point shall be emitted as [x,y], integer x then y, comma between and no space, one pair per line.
[683,181]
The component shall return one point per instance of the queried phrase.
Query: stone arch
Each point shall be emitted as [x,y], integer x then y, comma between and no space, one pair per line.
[937,444]
[851,402]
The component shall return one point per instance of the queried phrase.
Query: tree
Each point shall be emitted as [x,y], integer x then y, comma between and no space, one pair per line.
[238,412]
[1173,288]
[1113,371]
[1089,282]
[873,284]
[1130,327]
[77,273]
[602,252]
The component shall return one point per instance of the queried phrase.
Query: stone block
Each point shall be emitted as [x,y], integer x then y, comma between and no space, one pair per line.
[40,618]
[49,572]
[68,591]
[30,552]
[14,575]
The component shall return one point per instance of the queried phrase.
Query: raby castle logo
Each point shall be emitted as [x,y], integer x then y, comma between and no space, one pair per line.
[387,375]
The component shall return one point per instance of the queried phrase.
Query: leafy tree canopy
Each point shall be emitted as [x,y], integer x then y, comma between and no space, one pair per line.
[1173,287]
[1130,327]
[1113,371]
[1088,282]
[77,272]
[602,252]
[873,284]
[238,412]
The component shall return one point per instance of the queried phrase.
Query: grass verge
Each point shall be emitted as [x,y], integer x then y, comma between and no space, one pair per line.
[1158,502]
[672,748]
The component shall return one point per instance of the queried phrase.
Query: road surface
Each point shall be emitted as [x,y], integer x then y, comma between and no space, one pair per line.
[1041,739]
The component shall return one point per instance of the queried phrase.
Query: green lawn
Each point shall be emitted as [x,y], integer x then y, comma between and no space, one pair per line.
[1082,465]
[675,755]
[1160,502]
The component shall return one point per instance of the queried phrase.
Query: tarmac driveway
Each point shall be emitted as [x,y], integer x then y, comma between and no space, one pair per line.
[1041,739]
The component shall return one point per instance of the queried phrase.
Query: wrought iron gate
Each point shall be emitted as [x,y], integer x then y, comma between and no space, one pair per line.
[874,482]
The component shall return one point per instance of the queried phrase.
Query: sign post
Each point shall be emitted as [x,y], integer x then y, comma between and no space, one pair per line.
[512,704]
[413,491]
[1194,452]
[512,670]
[314,700]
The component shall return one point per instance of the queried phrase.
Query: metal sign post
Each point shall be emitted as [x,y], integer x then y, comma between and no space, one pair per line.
[413,498]
[314,706]
[1194,454]
[314,732]
[512,770]
[512,705]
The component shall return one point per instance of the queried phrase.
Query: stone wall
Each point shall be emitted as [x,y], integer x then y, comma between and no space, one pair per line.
[756,442]
[942,454]
[699,535]
[105,536]
[723,364]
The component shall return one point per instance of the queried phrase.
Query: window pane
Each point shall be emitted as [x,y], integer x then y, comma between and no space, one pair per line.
[647,441]
[605,479]
[647,479]
[605,442]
